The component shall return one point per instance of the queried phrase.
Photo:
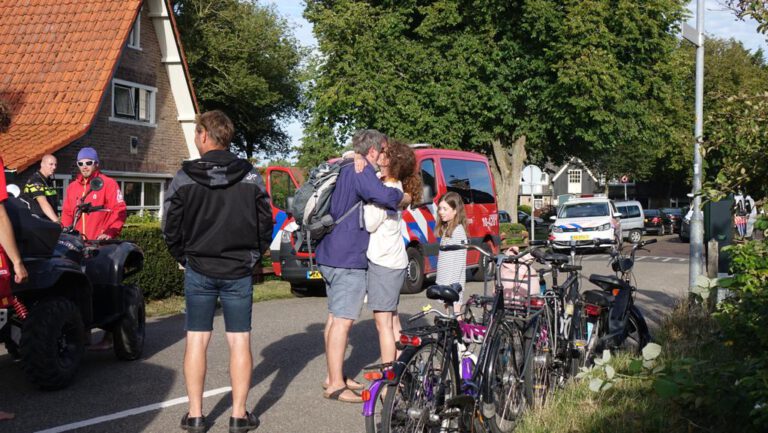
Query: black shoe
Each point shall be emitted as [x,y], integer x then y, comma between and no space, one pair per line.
[194,425]
[242,425]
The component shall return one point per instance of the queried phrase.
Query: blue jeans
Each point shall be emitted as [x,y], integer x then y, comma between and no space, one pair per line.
[201,293]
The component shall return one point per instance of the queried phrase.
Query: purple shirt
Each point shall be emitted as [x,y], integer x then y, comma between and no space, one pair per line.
[346,245]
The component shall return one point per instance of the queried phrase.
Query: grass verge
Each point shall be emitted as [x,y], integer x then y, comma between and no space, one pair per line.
[267,291]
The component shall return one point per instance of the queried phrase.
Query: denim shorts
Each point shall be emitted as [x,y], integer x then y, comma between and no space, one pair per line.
[201,293]
[346,291]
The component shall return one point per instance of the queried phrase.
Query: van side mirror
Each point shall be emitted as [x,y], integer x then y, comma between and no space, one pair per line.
[427,196]
[289,204]
[553,217]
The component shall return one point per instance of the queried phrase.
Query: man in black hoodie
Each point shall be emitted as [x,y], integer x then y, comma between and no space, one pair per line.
[217,223]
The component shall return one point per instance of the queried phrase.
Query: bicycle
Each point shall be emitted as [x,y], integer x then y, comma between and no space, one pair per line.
[429,393]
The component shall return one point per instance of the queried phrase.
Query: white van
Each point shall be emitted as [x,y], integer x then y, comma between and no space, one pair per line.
[632,220]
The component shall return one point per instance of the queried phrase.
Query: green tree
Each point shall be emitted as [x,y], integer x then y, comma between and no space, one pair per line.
[756,9]
[531,79]
[245,61]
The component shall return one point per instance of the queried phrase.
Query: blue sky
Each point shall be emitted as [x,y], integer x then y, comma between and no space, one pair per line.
[718,22]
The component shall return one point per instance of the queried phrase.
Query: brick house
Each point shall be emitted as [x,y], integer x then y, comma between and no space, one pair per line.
[101,73]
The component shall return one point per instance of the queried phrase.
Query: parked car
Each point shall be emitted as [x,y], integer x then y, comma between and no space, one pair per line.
[442,170]
[675,215]
[504,217]
[632,225]
[685,226]
[525,219]
[584,219]
[657,222]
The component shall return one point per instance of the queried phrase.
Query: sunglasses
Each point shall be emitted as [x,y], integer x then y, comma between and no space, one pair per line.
[84,163]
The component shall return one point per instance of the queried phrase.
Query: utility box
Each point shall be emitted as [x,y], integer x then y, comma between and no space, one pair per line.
[718,225]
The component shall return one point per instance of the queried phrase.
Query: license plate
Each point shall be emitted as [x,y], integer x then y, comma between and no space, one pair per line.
[314,275]
[580,237]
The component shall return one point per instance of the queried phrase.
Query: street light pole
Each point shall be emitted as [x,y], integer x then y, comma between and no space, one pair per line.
[697,223]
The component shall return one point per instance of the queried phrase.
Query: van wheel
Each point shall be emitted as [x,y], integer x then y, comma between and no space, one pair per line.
[414,275]
[52,343]
[635,236]
[130,329]
[486,267]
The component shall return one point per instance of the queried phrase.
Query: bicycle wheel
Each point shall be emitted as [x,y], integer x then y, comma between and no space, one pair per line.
[577,344]
[538,365]
[503,380]
[414,402]
[373,421]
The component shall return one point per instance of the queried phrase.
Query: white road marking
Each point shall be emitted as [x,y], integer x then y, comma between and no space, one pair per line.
[131,412]
[667,259]
[638,258]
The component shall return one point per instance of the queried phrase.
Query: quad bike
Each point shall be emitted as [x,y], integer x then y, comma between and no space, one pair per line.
[74,286]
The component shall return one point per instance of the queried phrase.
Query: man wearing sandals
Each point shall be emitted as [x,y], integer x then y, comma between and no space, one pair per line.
[217,224]
[342,260]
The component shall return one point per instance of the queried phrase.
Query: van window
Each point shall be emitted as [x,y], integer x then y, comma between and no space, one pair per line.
[428,175]
[282,187]
[630,211]
[470,179]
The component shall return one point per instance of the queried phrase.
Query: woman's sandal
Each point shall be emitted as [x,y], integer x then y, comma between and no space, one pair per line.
[338,396]
[351,384]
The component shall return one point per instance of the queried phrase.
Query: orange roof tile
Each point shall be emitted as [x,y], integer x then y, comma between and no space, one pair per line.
[57,59]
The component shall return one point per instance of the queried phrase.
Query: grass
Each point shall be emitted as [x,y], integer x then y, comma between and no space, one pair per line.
[632,405]
[267,291]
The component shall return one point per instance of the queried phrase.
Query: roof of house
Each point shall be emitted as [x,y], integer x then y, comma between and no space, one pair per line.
[58,57]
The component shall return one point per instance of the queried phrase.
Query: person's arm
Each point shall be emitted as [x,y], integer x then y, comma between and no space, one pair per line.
[8,241]
[370,188]
[68,208]
[47,208]
[173,218]
[373,216]
[118,212]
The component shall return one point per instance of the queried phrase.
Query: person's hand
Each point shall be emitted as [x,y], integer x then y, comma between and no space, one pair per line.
[103,237]
[405,201]
[20,272]
[360,163]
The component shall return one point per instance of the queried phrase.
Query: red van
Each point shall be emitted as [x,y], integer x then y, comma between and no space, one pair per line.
[466,173]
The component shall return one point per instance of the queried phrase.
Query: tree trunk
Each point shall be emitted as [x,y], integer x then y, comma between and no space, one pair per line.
[507,168]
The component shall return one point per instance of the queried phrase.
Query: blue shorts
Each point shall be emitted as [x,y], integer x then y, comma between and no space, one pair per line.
[201,293]
[346,291]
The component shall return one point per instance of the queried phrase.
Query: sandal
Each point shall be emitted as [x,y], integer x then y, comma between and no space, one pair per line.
[351,384]
[338,396]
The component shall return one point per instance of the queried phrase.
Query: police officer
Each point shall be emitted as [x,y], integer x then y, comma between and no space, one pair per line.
[39,191]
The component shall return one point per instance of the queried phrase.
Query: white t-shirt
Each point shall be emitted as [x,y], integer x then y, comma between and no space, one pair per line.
[386,247]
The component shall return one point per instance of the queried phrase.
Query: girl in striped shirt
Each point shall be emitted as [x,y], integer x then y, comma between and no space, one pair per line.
[452,230]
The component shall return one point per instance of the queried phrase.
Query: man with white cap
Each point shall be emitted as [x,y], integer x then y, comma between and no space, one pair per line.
[101,225]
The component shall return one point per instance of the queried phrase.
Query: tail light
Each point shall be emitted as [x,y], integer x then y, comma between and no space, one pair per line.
[370,376]
[410,340]
[655,220]
[592,310]
[537,302]
[366,395]
[615,292]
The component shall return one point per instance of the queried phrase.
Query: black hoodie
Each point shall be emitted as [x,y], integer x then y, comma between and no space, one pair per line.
[217,217]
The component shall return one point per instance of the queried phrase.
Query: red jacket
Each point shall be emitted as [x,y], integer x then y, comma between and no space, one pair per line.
[108,221]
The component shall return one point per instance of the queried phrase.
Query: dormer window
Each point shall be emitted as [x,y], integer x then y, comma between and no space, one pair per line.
[134,39]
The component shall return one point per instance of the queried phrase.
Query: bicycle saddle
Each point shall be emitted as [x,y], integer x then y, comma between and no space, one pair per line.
[448,294]
[608,282]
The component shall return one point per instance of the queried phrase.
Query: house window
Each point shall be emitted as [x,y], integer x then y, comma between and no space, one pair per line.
[142,196]
[134,39]
[133,103]
[574,181]
[538,203]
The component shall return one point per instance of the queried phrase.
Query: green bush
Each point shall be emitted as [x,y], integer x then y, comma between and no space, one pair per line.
[161,276]
[513,233]
[524,208]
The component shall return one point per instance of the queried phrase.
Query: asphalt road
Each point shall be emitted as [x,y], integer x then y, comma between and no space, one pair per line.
[148,395]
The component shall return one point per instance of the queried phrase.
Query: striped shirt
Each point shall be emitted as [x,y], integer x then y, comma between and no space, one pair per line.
[452,265]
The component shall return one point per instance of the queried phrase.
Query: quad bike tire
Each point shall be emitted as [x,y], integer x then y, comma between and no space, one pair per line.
[130,330]
[52,343]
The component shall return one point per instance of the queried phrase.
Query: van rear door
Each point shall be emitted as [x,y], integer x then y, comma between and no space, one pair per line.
[281,183]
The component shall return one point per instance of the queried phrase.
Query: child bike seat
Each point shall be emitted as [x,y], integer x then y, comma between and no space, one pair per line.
[448,294]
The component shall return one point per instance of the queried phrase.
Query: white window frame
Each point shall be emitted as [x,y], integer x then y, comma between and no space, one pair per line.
[143,180]
[574,185]
[134,38]
[152,103]
[538,203]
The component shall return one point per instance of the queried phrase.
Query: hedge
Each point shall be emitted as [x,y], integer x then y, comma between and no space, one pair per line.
[524,208]
[161,276]
[513,233]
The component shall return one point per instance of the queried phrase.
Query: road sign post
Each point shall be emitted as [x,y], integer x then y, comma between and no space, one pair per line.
[532,177]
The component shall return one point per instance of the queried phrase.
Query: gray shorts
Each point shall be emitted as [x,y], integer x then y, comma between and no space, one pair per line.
[346,291]
[384,286]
